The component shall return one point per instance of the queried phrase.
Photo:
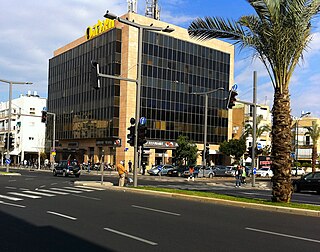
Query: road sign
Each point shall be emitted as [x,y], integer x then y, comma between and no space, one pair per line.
[126,149]
[254,170]
[44,109]
[143,120]
[293,155]
[53,153]
[259,146]
[8,161]
[235,87]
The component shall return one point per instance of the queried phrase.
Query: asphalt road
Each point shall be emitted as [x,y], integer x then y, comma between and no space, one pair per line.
[68,218]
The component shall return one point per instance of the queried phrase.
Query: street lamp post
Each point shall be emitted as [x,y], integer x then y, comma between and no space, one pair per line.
[140,28]
[297,137]
[53,138]
[9,114]
[206,120]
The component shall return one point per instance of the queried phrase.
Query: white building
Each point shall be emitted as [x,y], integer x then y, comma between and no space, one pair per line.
[26,127]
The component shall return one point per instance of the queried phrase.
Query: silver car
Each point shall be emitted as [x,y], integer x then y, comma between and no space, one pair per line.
[160,170]
[207,172]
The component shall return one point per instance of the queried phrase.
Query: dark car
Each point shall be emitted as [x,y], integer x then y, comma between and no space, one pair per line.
[220,170]
[308,182]
[178,171]
[67,167]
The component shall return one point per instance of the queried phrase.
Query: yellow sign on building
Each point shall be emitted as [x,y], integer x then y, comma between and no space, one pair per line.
[99,27]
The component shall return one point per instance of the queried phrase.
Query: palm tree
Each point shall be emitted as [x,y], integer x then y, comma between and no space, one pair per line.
[279,33]
[248,129]
[314,133]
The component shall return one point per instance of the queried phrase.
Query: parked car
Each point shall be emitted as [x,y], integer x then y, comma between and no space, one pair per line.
[67,167]
[178,171]
[207,172]
[264,172]
[220,170]
[231,171]
[310,182]
[297,171]
[186,173]
[160,169]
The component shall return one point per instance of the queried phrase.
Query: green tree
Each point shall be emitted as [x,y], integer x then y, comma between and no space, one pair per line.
[234,147]
[186,152]
[314,133]
[260,129]
[278,33]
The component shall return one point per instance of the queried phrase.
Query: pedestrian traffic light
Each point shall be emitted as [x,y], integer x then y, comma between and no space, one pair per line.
[44,116]
[131,135]
[11,142]
[231,99]
[142,131]
[95,78]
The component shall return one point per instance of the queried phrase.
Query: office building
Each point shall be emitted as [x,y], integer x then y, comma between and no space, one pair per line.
[91,125]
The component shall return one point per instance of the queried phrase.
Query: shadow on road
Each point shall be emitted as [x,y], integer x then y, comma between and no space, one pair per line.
[17,235]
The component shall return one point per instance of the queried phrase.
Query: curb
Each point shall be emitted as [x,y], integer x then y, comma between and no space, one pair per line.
[10,174]
[279,209]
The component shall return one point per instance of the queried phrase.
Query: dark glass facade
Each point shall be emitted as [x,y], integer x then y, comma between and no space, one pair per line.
[171,70]
[82,112]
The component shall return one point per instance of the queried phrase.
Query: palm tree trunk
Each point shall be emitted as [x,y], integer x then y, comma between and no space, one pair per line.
[314,157]
[281,147]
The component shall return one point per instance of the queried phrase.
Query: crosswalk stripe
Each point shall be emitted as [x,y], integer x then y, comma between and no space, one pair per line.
[10,204]
[93,188]
[66,190]
[52,191]
[40,193]
[9,198]
[25,195]
[78,189]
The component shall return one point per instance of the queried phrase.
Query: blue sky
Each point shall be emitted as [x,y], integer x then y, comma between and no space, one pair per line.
[31,30]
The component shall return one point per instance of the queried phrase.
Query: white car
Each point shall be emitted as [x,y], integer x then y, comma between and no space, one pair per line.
[297,171]
[264,172]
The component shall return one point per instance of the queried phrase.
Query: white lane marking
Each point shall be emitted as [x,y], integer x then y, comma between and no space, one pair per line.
[52,191]
[54,183]
[156,210]
[42,186]
[81,196]
[62,215]
[78,189]
[23,189]
[40,193]
[13,180]
[92,188]
[10,198]
[29,179]
[10,204]
[66,190]
[131,236]
[284,235]
[10,187]
[25,195]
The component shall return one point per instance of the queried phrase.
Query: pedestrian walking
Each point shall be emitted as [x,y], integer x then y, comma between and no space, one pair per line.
[143,168]
[130,166]
[238,176]
[243,175]
[122,173]
[191,171]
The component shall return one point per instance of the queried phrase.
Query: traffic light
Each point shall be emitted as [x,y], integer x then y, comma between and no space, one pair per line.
[44,116]
[142,131]
[11,142]
[95,78]
[131,135]
[231,99]
[207,151]
[5,140]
